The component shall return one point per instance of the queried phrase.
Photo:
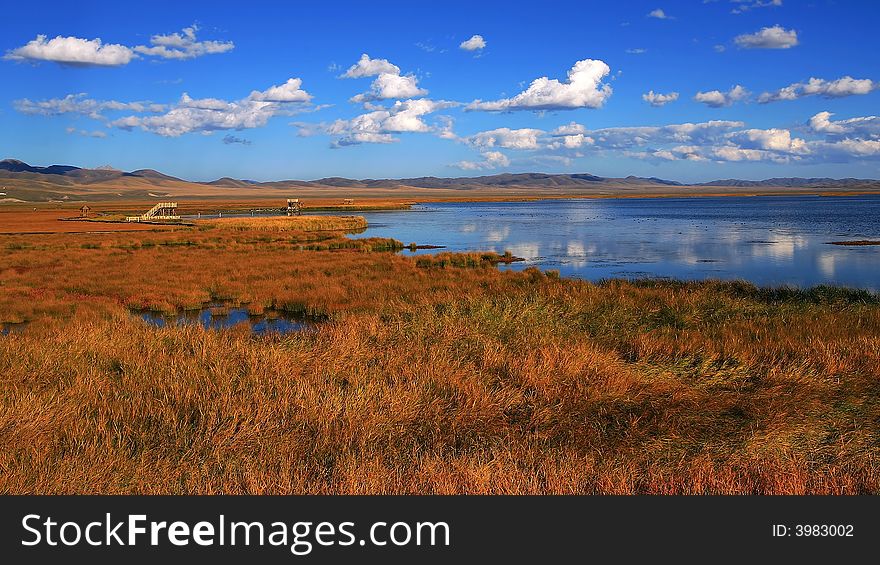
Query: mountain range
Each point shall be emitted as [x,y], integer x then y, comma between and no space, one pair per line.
[66,181]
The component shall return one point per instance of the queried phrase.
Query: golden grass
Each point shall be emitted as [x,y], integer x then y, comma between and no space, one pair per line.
[289,223]
[427,378]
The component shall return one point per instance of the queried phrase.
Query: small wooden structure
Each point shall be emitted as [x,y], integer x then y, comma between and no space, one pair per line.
[294,207]
[348,201]
[84,211]
[161,211]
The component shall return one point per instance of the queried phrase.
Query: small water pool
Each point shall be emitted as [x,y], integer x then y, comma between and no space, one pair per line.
[214,317]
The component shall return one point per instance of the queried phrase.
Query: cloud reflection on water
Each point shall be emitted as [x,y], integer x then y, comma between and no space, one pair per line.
[767,240]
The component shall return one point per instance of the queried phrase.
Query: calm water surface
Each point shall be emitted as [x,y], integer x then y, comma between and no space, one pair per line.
[228,318]
[766,240]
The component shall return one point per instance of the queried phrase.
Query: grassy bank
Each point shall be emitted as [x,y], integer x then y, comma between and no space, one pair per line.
[289,223]
[430,376]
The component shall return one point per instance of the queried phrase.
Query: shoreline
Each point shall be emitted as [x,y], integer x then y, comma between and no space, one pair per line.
[324,202]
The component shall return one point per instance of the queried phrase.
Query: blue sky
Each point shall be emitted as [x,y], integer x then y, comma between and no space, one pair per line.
[745,89]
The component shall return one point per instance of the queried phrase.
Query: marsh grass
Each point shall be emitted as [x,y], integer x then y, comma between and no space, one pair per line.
[289,223]
[429,374]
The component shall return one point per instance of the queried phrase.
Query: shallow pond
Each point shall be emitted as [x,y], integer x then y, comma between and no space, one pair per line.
[217,317]
[7,328]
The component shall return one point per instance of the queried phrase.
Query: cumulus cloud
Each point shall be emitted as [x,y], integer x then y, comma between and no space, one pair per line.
[526,138]
[491,160]
[380,125]
[584,89]
[388,86]
[642,136]
[677,153]
[843,141]
[717,99]
[80,104]
[845,86]
[389,83]
[769,140]
[775,37]
[183,45]
[659,14]
[76,51]
[657,99]
[848,149]
[206,115]
[865,127]
[475,43]
[721,141]
[718,141]
[366,67]
[72,51]
[444,129]
[572,128]
[290,91]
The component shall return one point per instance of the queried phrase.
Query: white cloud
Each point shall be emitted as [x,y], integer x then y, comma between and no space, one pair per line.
[678,153]
[659,14]
[72,51]
[867,126]
[569,136]
[717,99]
[572,128]
[290,91]
[775,37]
[366,67]
[573,141]
[389,86]
[746,5]
[378,126]
[733,153]
[475,43]
[389,83]
[842,141]
[657,99]
[96,133]
[849,148]
[491,160]
[75,51]
[584,89]
[769,140]
[211,114]
[444,130]
[636,51]
[845,86]
[79,104]
[526,138]
[640,136]
[183,45]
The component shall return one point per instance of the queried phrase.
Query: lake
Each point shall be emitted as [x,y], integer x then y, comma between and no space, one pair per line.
[764,239]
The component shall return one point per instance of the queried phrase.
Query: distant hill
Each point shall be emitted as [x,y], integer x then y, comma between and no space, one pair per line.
[232,183]
[65,181]
[794,182]
[11,168]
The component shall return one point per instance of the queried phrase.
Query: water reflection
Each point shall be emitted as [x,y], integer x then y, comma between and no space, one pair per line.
[7,328]
[767,240]
[219,317]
